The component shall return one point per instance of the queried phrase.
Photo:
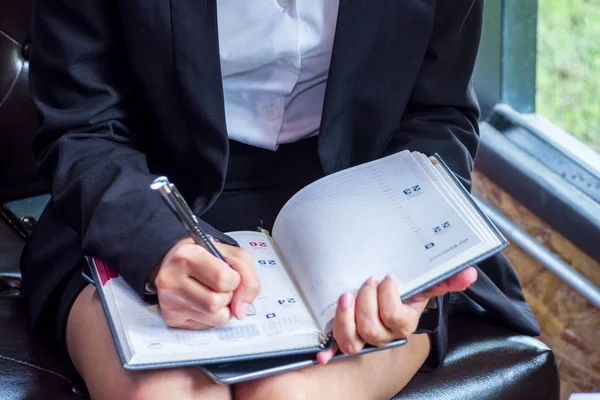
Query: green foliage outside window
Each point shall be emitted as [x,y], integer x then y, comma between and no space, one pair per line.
[568,66]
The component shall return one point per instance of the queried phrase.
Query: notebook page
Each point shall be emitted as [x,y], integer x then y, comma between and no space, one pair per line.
[448,181]
[453,195]
[371,220]
[467,208]
[277,314]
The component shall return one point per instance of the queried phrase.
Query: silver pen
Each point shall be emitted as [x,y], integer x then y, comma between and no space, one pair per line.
[179,206]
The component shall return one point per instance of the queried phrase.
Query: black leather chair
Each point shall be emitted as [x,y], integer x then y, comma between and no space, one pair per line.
[484,361]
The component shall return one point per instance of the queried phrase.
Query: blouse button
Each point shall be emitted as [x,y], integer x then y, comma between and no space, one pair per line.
[284,3]
[270,113]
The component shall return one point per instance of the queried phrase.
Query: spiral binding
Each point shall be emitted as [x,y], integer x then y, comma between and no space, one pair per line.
[326,340]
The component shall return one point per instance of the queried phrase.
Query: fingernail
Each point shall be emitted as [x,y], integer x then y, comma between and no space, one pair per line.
[346,301]
[390,277]
[323,358]
[372,281]
[244,307]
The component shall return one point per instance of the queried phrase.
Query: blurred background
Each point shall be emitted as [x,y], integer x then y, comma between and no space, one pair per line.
[538,82]
[568,68]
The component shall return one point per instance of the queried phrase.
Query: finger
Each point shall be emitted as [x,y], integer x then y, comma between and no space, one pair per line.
[323,357]
[368,324]
[196,320]
[237,252]
[401,319]
[220,318]
[206,268]
[188,323]
[462,280]
[248,289]
[177,312]
[344,326]
[456,283]
[203,299]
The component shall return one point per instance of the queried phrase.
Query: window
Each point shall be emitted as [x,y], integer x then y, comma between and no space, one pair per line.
[568,67]
[537,79]
[541,58]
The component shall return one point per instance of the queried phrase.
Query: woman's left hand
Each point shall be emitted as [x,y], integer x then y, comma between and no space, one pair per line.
[377,316]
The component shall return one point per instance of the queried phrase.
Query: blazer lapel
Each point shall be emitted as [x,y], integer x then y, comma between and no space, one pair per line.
[198,72]
[356,30]
[198,76]
[196,55]
[364,30]
[357,27]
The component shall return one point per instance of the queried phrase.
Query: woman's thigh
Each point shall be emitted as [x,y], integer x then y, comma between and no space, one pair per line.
[93,353]
[377,375]
[91,348]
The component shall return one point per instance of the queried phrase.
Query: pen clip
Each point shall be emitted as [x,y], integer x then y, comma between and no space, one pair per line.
[180,207]
[186,208]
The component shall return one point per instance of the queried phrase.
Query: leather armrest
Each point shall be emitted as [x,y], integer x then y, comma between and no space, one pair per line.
[11,245]
[486,361]
[27,369]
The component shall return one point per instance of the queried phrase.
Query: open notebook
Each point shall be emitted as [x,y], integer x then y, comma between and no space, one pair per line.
[405,214]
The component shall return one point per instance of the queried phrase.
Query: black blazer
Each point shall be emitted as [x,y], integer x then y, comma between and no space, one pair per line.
[127,91]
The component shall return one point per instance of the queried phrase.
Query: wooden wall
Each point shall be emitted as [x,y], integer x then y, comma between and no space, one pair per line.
[570,324]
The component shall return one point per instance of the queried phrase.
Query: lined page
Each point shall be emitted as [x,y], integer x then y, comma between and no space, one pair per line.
[382,217]
[447,184]
[278,320]
[448,188]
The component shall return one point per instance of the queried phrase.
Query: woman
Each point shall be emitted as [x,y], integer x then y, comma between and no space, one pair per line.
[241,104]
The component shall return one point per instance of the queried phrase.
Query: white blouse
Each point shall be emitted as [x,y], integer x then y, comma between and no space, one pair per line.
[275,57]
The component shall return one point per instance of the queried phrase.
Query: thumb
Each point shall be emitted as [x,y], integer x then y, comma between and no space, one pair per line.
[248,288]
[417,304]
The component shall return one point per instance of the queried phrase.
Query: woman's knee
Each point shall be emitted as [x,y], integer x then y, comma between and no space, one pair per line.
[289,386]
[93,353]
[177,384]
[84,312]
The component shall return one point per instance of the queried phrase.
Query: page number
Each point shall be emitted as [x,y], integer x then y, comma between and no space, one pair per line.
[257,244]
[441,227]
[412,191]
[290,300]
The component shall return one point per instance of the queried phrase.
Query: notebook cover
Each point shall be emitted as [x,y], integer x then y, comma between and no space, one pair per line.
[232,373]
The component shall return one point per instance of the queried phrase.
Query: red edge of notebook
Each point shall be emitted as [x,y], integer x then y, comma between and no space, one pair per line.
[104,271]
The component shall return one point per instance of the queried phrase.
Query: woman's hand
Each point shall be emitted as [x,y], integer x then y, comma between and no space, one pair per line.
[196,290]
[377,316]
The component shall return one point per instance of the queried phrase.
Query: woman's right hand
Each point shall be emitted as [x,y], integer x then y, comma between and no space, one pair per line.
[196,290]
